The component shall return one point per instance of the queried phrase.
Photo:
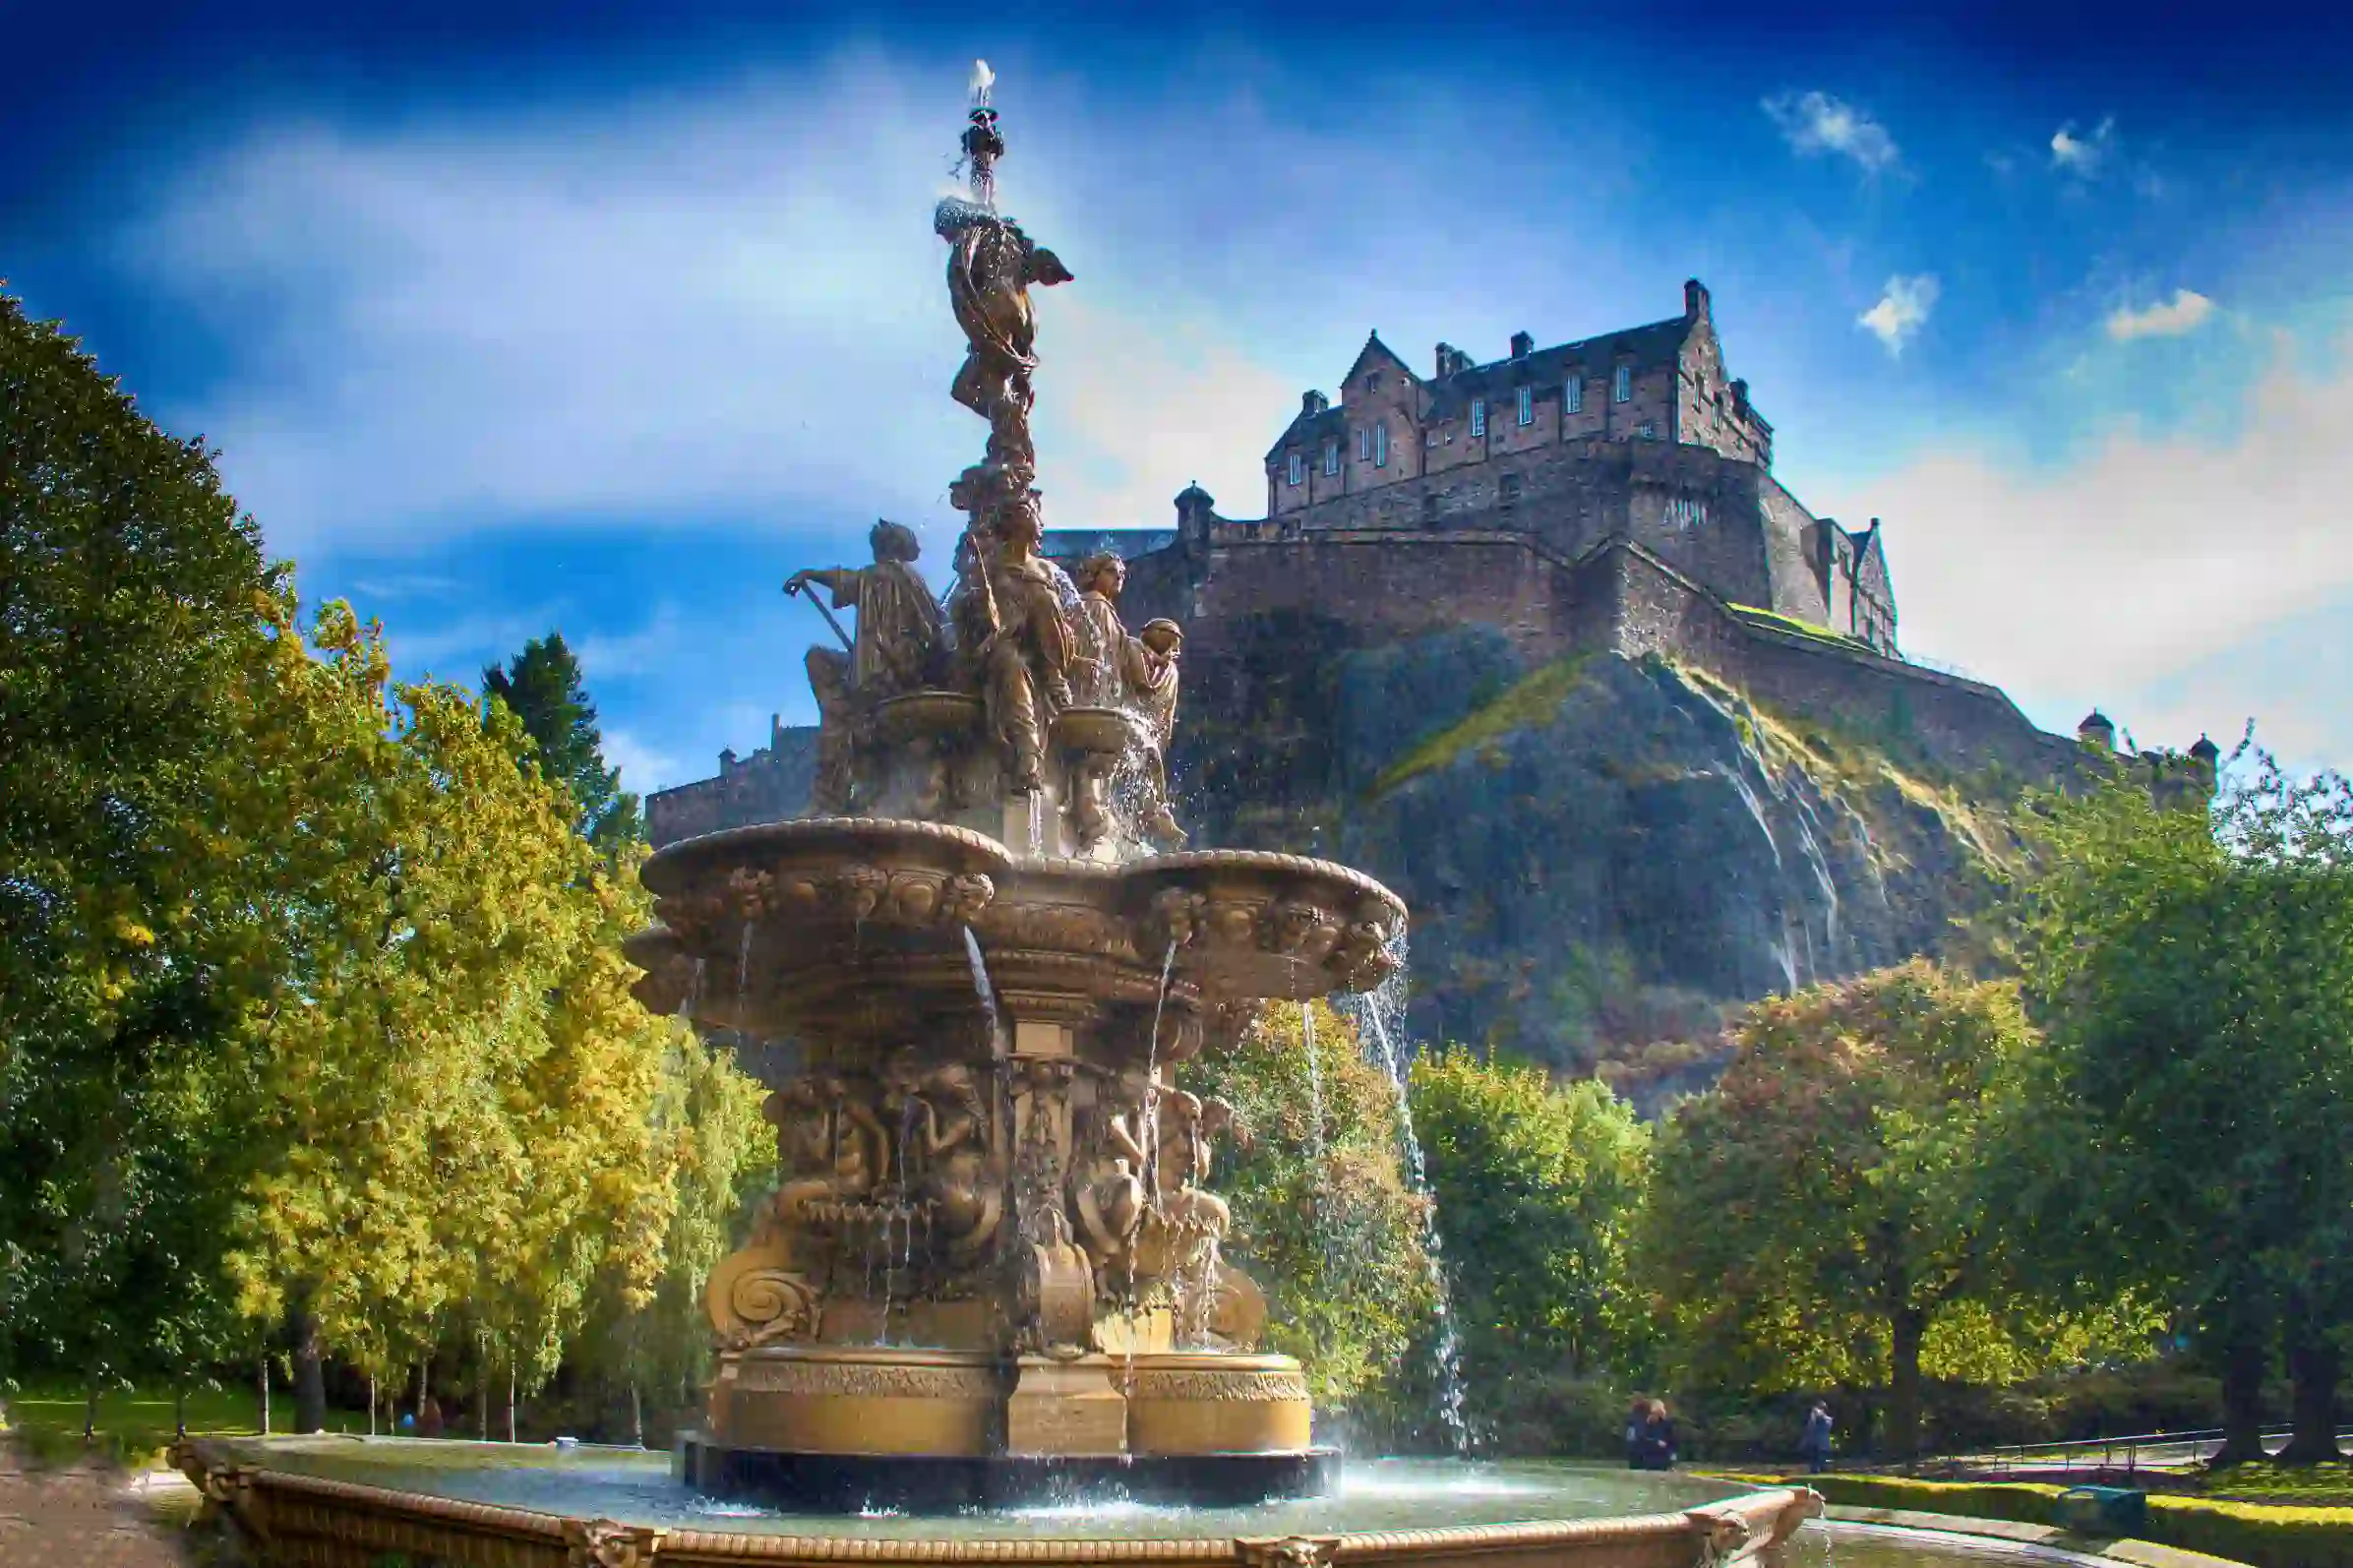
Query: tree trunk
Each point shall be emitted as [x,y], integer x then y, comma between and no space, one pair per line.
[2243,1361]
[265,1393]
[371,1404]
[310,1372]
[636,1416]
[511,1401]
[90,1413]
[1908,1325]
[179,1408]
[2314,1366]
[482,1398]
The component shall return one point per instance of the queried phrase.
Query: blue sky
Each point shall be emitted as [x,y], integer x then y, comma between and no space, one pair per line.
[606,318]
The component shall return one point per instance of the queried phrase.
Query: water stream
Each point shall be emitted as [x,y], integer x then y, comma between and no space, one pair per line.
[1380,1017]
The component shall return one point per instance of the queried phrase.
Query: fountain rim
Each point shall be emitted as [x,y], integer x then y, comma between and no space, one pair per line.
[1264,862]
[218,1474]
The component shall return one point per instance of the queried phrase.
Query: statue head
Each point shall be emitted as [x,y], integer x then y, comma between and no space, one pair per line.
[892,541]
[1165,637]
[1021,520]
[1103,572]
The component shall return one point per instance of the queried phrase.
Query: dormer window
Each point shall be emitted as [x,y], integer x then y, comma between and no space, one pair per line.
[1299,466]
[1528,406]
[1572,395]
[1331,456]
[1478,416]
[1621,386]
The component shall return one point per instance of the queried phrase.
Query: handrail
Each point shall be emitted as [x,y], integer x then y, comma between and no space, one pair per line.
[2130,1446]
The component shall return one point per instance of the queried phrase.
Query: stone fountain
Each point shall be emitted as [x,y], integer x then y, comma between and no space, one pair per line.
[991,1269]
[992,1265]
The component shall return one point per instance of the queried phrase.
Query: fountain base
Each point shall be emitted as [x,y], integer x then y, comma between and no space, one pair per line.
[932,1484]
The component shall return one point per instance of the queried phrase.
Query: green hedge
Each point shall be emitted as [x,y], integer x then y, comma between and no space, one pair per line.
[2260,1534]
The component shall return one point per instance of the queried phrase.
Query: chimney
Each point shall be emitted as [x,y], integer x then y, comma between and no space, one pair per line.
[1313,404]
[1521,346]
[1695,300]
[1445,360]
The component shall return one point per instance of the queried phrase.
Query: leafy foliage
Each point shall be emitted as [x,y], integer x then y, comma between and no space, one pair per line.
[1821,1217]
[542,687]
[1538,1186]
[1322,1215]
[2193,968]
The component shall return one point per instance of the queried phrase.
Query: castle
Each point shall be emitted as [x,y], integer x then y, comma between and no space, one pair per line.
[1612,494]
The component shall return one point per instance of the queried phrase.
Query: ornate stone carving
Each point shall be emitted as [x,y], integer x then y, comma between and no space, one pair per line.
[868,1379]
[1295,1551]
[605,1544]
[1218,1385]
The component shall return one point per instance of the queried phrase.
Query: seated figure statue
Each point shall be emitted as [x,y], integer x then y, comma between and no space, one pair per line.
[897,648]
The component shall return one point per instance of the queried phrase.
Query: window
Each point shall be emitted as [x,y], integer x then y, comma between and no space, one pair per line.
[1299,466]
[1331,456]
[1429,507]
[1684,514]
[1509,492]
[1430,439]
[1372,382]
[1621,387]
[1572,395]
[1528,406]
[1478,416]
[1380,446]
[1364,444]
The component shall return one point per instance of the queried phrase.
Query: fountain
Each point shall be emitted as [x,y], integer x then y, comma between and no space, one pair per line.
[990,1275]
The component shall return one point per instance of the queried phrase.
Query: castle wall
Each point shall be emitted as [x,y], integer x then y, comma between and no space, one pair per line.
[1793,575]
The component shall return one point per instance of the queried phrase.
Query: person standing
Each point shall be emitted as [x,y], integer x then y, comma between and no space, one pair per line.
[1658,1438]
[1816,1442]
[1633,1418]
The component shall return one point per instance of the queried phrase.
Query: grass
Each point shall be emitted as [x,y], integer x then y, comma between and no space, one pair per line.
[2302,1486]
[1527,702]
[136,1425]
[1783,623]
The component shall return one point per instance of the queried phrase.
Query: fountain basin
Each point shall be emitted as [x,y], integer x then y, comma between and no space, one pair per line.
[345,1502]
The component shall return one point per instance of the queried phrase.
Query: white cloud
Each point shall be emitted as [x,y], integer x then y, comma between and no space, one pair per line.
[1901,311]
[643,769]
[2126,579]
[727,306]
[2186,312]
[1816,122]
[2083,156]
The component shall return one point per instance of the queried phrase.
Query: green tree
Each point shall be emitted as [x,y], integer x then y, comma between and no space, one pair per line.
[1538,1188]
[1821,1217]
[543,687]
[1322,1216]
[131,594]
[2193,965]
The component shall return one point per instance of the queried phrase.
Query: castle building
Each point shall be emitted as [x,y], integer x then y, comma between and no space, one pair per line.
[1638,433]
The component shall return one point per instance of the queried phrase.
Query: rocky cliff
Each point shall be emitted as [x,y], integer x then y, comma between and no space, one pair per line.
[1605,856]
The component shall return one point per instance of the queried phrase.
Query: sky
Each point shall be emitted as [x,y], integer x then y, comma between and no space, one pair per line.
[508,318]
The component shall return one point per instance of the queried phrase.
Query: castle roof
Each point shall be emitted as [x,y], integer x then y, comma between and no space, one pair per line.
[1641,347]
[2096,720]
[2206,750]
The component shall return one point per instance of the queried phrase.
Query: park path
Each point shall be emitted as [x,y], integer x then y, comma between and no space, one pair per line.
[90,1515]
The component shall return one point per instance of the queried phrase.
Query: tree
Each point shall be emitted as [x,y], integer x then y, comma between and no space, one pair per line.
[2193,964]
[1820,1217]
[1322,1216]
[131,596]
[1538,1185]
[542,685]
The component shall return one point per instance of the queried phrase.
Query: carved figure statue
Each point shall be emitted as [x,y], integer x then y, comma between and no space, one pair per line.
[1014,634]
[952,1156]
[991,266]
[1107,1185]
[1152,693]
[897,648]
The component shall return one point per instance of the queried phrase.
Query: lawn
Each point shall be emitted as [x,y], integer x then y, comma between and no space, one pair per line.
[2299,1486]
[135,1426]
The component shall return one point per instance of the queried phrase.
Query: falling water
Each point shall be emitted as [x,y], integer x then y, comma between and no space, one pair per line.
[744,962]
[688,1002]
[1151,1128]
[1382,1017]
[980,983]
[1037,822]
[1316,1110]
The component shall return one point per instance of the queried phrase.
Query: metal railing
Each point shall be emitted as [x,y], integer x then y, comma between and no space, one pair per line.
[2128,1454]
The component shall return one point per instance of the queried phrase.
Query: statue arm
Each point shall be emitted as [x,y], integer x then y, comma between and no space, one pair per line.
[842,581]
